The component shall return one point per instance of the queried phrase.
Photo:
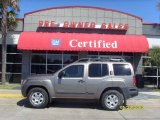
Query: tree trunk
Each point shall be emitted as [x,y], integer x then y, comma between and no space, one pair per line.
[4,34]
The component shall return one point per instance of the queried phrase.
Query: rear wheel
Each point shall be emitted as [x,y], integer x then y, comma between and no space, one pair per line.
[112,100]
[38,98]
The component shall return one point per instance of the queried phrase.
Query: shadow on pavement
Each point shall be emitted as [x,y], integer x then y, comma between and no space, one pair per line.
[23,103]
[76,104]
[66,104]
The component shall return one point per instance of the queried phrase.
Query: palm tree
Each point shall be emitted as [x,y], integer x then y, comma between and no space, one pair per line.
[8,10]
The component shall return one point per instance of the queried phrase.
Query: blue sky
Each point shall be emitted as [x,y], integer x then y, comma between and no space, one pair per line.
[146,9]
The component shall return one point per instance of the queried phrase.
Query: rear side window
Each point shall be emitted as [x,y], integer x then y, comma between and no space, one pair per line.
[98,70]
[121,69]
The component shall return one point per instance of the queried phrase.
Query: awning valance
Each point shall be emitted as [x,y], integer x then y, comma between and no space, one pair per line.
[82,42]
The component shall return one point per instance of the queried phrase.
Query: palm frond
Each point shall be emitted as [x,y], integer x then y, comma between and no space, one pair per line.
[14,4]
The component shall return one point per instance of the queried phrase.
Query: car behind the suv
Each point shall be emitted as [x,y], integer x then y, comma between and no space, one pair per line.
[110,82]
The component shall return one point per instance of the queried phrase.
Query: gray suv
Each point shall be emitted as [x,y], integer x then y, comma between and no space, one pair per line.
[110,82]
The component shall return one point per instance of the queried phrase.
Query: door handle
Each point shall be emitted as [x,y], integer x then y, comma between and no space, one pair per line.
[81,81]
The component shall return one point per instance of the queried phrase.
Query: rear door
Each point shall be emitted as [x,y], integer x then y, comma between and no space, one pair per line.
[98,73]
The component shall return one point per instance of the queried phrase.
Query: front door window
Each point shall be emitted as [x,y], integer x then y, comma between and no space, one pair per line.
[73,71]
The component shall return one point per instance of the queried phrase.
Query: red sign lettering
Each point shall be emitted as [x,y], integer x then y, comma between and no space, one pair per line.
[74,24]
[80,25]
[92,25]
[40,24]
[125,27]
[86,24]
[109,26]
[103,26]
[52,24]
[120,26]
[65,24]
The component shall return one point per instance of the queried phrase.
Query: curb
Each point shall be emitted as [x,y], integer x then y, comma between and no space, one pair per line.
[11,96]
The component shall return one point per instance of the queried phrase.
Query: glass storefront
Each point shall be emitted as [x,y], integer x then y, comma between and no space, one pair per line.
[129,57]
[13,64]
[51,61]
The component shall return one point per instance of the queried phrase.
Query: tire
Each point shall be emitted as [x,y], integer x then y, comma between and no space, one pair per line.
[38,98]
[112,100]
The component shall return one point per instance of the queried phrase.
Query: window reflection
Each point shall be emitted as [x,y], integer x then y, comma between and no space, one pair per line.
[51,61]
[129,59]
[14,68]
[13,78]
[39,59]
[38,69]
[0,53]
[14,58]
[0,67]
[53,68]
[67,58]
[12,49]
[54,59]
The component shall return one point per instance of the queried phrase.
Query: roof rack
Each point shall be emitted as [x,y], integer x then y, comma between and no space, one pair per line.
[101,59]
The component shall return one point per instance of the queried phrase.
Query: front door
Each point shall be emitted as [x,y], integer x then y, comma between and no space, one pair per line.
[71,82]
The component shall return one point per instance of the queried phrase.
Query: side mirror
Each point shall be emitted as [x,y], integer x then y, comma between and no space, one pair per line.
[61,74]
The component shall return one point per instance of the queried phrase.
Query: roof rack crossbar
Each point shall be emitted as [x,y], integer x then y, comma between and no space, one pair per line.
[101,59]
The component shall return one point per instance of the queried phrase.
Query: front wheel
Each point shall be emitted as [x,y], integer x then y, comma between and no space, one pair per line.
[38,98]
[112,100]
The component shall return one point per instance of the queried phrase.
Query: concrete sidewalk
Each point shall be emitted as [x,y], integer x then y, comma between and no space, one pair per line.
[147,93]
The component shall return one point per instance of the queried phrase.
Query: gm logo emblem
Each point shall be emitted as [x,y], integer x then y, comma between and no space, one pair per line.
[55,42]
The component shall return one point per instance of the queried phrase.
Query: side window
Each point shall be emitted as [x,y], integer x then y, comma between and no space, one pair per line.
[73,71]
[121,69]
[98,70]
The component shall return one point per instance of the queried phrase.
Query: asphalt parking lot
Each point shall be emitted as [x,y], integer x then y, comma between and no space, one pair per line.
[17,109]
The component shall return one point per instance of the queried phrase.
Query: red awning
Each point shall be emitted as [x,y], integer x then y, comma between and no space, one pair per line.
[82,42]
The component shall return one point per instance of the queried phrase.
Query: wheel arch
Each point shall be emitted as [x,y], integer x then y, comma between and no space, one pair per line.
[112,88]
[38,86]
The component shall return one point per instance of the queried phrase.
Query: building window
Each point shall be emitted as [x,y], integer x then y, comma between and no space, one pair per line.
[51,61]
[53,68]
[54,59]
[13,64]
[14,68]
[69,57]
[39,59]
[129,57]
[38,69]
[0,59]
[14,58]
[13,78]
[12,49]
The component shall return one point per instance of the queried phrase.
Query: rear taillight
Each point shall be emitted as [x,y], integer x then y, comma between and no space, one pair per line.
[134,81]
